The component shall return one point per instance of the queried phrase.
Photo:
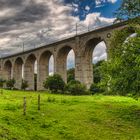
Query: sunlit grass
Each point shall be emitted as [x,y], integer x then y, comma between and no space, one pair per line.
[68,117]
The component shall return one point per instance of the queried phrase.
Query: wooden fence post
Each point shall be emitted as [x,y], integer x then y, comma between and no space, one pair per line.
[39,102]
[24,106]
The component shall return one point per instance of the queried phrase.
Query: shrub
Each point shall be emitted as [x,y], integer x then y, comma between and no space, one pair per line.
[10,83]
[70,74]
[73,82]
[76,88]
[24,84]
[54,83]
[95,88]
[2,83]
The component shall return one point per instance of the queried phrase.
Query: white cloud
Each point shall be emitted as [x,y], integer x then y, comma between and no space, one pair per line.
[95,20]
[87,8]
[112,1]
[99,52]
[55,21]
[100,3]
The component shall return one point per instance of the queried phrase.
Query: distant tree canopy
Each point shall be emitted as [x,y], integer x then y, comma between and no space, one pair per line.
[70,75]
[129,9]
[97,72]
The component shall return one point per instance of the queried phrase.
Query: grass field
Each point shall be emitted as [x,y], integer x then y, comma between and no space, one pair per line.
[68,117]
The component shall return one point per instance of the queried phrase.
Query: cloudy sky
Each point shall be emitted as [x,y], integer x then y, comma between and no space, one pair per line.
[35,22]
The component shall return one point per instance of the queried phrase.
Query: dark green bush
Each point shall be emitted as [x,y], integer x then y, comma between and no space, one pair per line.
[24,84]
[70,74]
[2,83]
[73,82]
[10,83]
[54,83]
[76,88]
[95,88]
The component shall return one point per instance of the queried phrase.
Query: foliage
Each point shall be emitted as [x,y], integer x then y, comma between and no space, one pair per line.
[70,74]
[97,72]
[24,84]
[54,83]
[10,83]
[129,9]
[122,72]
[95,88]
[76,88]
[73,82]
[2,83]
[117,40]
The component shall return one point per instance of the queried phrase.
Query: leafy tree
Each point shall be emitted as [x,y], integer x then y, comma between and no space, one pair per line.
[76,88]
[121,74]
[95,88]
[2,83]
[129,9]
[97,72]
[24,84]
[54,83]
[73,82]
[10,83]
[70,74]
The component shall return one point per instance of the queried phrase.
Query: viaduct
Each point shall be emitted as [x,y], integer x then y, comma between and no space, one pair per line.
[82,45]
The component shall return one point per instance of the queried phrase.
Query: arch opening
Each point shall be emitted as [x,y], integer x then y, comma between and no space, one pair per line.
[95,51]
[99,55]
[18,72]
[8,70]
[65,61]
[70,66]
[51,65]
[30,72]
[46,67]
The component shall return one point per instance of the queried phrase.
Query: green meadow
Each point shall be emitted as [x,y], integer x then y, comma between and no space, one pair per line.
[63,117]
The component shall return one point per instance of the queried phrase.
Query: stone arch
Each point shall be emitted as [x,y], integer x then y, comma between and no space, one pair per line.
[29,69]
[61,61]
[88,59]
[18,72]
[7,70]
[43,68]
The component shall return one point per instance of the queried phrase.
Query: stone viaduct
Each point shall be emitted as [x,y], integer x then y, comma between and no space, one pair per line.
[21,65]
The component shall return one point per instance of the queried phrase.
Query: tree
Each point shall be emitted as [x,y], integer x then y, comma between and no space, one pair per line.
[121,74]
[76,88]
[54,83]
[97,72]
[129,9]
[24,84]
[10,83]
[70,74]
[2,83]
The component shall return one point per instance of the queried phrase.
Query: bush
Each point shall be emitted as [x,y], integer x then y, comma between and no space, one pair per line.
[54,83]
[24,84]
[10,83]
[76,88]
[73,82]
[95,88]
[2,83]
[70,74]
